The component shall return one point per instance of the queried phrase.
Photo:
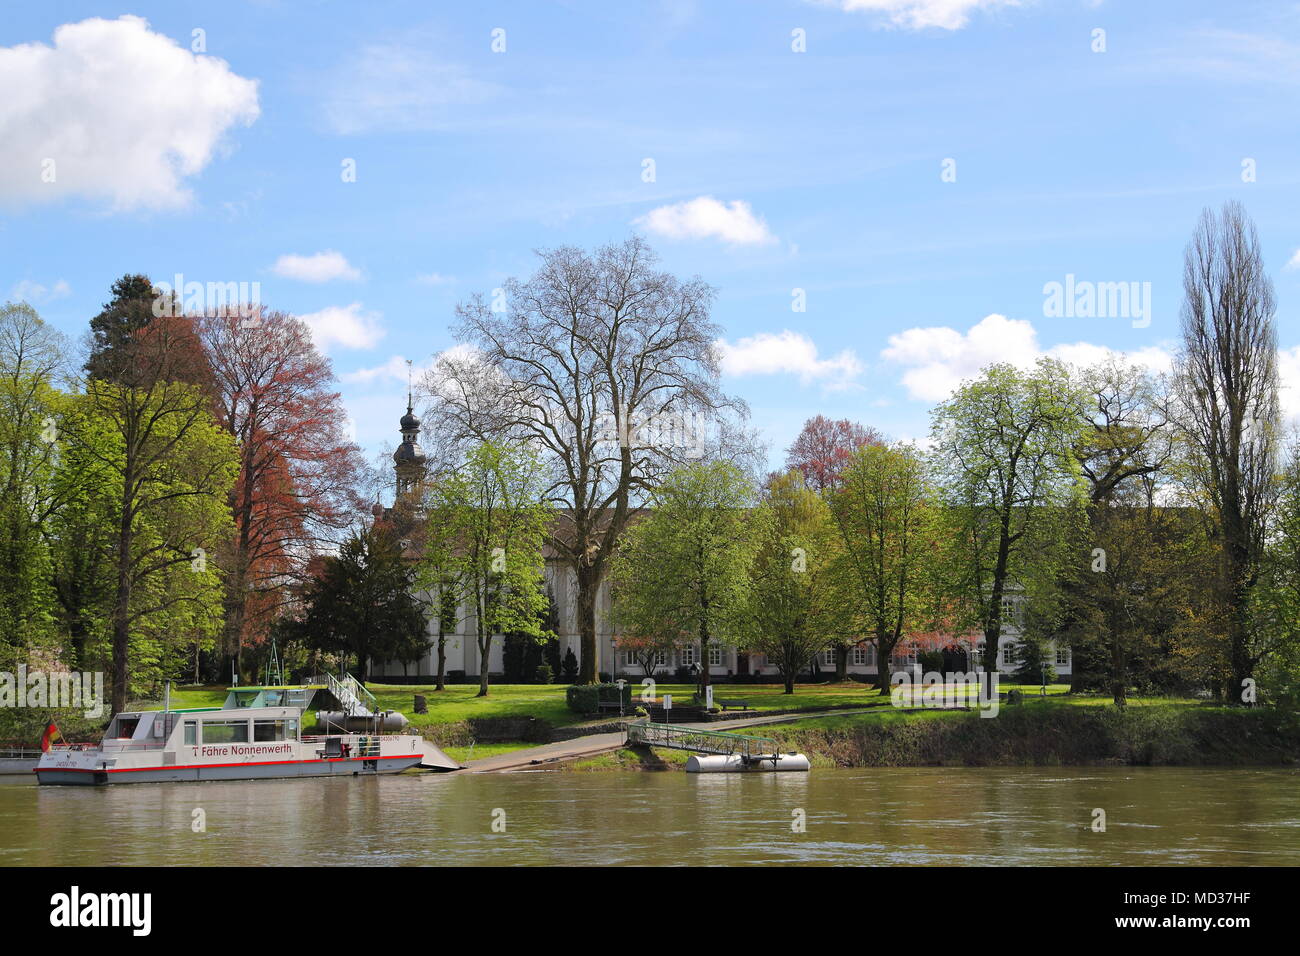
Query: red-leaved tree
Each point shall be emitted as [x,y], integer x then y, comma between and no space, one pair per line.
[824,447]
[299,473]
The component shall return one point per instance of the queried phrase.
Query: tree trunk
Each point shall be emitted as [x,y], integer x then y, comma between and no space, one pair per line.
[122,606]
[484,659]
[588,583]
[841,663]
[789,682]
[442,660]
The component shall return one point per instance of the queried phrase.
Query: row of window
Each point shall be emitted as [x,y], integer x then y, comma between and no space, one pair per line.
[862,655]
[237,731]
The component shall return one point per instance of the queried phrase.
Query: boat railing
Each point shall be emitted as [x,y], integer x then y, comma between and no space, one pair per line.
[18,753]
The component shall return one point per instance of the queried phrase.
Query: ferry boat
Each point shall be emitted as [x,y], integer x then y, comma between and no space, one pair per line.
[256,734]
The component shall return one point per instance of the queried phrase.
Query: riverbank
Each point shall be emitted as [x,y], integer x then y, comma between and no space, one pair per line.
[1072,731]
[1075,731]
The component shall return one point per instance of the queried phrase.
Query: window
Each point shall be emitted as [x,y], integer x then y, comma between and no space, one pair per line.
[191,733]
[225,732]
[1011,612]
[688,655]
[1062,655]
[1010,653]
[715,656]
[659,658]
[268,731]
[864,655]
[828,657]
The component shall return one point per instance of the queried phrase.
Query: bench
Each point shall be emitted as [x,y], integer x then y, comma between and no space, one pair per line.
[726,703]
[731,704]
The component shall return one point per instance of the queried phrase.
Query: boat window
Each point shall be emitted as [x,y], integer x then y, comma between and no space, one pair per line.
[191,732]
[225,731]
[274,698]
[125,728]
[291,729]
[245,698]
[265,731]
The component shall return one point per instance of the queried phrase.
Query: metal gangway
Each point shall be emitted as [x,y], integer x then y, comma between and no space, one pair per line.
[349,693]
[750,749]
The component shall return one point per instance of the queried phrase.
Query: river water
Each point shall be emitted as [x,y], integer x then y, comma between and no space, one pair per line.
[1162,815]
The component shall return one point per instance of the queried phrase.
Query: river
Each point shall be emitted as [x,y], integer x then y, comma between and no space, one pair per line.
[1162,815]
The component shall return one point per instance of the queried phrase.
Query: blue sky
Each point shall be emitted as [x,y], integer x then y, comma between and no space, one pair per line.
[774,170]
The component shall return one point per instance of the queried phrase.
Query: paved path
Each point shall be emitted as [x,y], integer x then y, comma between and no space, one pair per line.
[593,744]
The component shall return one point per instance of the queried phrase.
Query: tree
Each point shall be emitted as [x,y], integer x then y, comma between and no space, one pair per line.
[884,569]
[1227,386]
[609,368]
[785,613]
[493,503]
[680,570]
[824,449]
[361,604]
[31,357]
[443,570]
[1276,602]
[169,468]
[298,472]
[135,307]
[1113,594]
[1005,455]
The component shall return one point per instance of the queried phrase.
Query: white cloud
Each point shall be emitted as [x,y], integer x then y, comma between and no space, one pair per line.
[121,112]
[394,370]
[36,293]
[321,267]
[347,326]
[918,14]
[790,353]
[400,87]
[705,218]
[938,359]
[1294,262]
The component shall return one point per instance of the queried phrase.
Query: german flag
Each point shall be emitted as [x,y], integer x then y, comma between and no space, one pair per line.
[51,734]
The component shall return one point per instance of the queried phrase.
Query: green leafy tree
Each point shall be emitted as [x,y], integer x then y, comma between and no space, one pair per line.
[887,565]
[1006,461]
[493,502]
[168,469]
[31,359]
[785,611]
[360,605]
[679,571]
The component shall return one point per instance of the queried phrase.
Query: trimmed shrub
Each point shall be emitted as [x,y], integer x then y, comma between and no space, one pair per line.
[585,699]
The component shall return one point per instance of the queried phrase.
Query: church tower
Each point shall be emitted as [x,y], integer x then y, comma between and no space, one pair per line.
[408,459]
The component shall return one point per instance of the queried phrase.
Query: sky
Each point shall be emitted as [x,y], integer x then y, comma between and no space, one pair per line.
[888,195]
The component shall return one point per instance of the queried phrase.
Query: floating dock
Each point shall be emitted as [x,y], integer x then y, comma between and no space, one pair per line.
[716,751]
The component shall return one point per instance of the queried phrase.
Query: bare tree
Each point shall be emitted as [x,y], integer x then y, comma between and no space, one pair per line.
[607,368]
[1227,387]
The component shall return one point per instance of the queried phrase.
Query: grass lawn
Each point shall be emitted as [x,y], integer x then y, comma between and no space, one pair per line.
[546,701]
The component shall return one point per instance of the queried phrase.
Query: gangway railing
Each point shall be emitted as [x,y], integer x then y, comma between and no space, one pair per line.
[348,692]
[700,741]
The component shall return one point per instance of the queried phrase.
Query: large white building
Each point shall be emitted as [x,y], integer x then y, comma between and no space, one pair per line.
[463,658]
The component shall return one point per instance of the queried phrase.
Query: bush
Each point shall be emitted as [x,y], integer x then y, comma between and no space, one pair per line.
[585,699]
[570,666]
[544,674]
